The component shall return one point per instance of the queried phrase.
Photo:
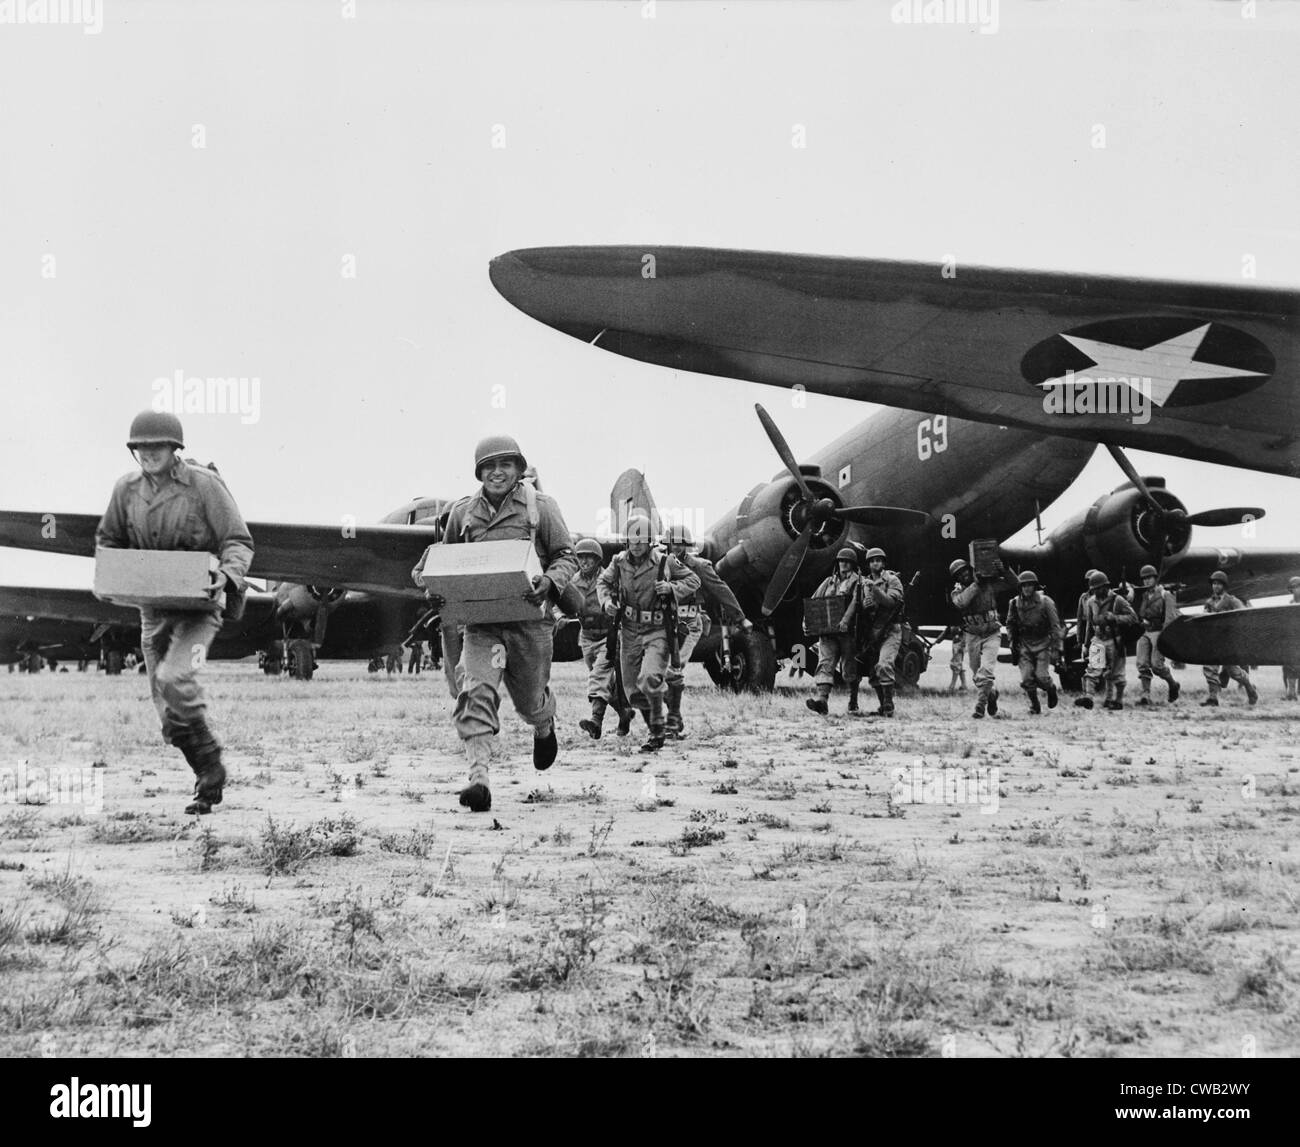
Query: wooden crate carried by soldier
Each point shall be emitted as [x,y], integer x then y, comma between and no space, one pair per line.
[822,615]
[984,558]
[483,583]
[157,579]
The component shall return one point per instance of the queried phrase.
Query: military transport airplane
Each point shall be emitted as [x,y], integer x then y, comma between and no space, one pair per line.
[1198,370]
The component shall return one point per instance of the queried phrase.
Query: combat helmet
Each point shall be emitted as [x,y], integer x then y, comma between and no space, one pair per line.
[155,428]
[1028,577]
[590,547]
[498,446]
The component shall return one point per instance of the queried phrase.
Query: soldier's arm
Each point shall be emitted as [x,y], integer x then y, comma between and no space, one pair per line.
[684,581]
[718,592]
[555,545]
[962,596]
[1057,629]
[232,534]
[111,533]
[892,593]
[1013,621]
[1122,608]
[606,582]
[851,610]
[1171,609]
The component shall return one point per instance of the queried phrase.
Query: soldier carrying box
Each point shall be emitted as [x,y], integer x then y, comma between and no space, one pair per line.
[174,505]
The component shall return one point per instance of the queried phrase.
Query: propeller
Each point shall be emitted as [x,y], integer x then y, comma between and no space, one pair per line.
[1170,517]
[816,513]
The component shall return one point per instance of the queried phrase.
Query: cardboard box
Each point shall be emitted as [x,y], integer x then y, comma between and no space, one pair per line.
[483,582]
[159,579]
[822,615]
[984,559]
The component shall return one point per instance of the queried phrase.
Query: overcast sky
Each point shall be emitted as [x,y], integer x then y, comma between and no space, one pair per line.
[331,236]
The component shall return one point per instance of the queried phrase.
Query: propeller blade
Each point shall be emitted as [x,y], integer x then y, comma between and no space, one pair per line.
[786,570]
[782,448]
[1228,516]
[318,626]
[1133,476]
[882,517]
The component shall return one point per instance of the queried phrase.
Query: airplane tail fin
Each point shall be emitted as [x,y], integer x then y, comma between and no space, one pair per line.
[629,496]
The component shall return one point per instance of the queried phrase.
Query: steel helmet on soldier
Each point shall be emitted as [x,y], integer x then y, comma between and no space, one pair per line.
[498,446]
[957,566]
[876,552]
[677,535]
[155,428]
[847,555]
[1219,575]
[1090,575]
[589,546]
[1028,577]
[1097,580]
[1294,583]
[1148,571]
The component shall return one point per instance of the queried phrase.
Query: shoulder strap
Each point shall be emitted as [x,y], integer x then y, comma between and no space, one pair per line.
[530,497]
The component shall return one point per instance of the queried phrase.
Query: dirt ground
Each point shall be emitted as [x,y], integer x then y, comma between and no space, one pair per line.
[1075,884]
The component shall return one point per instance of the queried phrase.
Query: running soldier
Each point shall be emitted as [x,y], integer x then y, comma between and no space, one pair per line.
[506,508]
[693,621]
[634,587]
[839,648]
[1104,614]
[1221,601]
[172,504]
[593,640]
[1036,634]
[1156,608]
[882,602]
[1291,673]
[977,602]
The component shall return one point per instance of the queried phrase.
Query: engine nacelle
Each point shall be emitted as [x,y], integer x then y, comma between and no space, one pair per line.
[1118,532]
[304,603]
[772,515]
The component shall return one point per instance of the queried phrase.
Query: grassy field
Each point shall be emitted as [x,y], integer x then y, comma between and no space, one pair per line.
[1079,884]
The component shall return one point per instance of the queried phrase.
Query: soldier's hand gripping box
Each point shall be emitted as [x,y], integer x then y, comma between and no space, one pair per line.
[984,559]
[159,579]
[822,615]
[483,582]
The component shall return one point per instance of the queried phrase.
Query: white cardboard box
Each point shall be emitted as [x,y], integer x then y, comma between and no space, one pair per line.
[159,579]
[483,582]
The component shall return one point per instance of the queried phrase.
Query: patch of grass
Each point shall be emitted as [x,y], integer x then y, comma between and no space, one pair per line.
[24,825]
[1265,982]
[1156,944]
[417,842]
[129,832]
[283,849]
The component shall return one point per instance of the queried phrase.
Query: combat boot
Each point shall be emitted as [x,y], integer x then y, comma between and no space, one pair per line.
[592,725]
[204,756]
[993,701]
[1211,700]
[545,747]
[655,741]
[980,702]
[625,719]
[1252,694]
[853,697]
[1052,696]
[1174,690]
[1145,699]
[1034,707]
[1119,695]
[476,796]
[880,696]
[886,700]
[673,726]
[819,704]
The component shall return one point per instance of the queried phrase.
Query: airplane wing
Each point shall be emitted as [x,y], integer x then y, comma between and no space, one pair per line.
[1251,573]
[1264,635]
[373,558]
[981,343]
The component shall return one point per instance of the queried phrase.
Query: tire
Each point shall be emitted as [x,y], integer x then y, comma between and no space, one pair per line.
[908,668]
[302,659]
[753,664]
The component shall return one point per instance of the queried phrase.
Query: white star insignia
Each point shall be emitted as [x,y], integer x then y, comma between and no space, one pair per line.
[1166,364]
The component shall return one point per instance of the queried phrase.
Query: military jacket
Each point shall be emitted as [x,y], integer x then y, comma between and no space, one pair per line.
[1034,625]
[634,584]
[1157,608]
[194,511]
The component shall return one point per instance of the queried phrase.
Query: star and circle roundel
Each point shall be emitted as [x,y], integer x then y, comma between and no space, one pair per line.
[1181,361]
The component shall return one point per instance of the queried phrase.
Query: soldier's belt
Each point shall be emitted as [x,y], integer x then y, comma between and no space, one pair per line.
[644,616]
[688,611]
[988,617]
